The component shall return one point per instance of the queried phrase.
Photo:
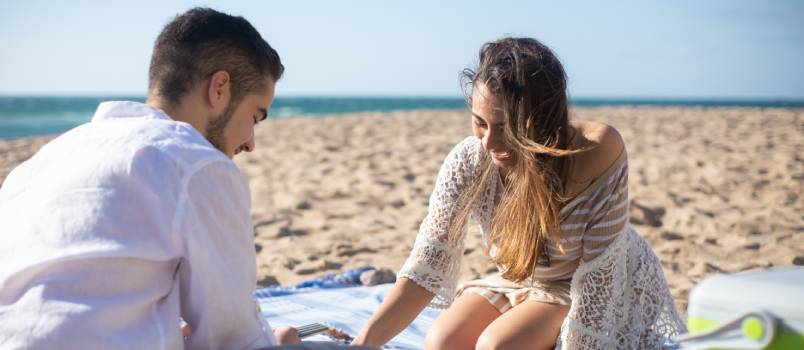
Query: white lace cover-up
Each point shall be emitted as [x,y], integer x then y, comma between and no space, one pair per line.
[618,295]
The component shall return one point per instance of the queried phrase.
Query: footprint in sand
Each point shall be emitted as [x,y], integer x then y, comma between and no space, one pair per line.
[671,236]
[752,246]
[268,281]
[323,265]
[397,203]
[290,263]
[643,215]
[352,252]
[705,268]
[390,184]
[288,231]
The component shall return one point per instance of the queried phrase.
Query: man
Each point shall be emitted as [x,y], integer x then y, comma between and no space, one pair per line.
[119,227]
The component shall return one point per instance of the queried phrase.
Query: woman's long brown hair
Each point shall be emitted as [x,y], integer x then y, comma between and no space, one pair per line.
[530,86]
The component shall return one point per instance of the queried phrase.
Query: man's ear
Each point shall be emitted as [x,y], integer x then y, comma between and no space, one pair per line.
[219,90]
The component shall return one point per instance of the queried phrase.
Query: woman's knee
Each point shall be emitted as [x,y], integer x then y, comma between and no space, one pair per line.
[488,341]
[459,326]
[438,338]
[434,339]
[492,341]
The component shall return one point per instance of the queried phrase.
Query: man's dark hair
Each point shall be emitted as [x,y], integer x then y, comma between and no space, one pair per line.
[202,41]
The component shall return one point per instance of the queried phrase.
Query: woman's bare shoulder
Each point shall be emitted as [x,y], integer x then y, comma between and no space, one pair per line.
[603,145]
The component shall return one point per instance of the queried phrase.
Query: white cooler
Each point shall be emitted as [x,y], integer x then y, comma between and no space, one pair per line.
[748,310]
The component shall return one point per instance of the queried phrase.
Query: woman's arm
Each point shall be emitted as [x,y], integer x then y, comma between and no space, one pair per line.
[404,302]
[434,263]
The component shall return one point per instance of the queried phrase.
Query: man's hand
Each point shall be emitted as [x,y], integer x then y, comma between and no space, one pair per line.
[287,335]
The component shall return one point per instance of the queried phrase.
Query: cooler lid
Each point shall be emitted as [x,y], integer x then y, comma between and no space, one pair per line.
[778,290]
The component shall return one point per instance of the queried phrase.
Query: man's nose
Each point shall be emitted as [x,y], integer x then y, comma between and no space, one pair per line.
[249,145]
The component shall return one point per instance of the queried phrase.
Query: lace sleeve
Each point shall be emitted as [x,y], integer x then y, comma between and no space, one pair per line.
[433,263]
[620,300]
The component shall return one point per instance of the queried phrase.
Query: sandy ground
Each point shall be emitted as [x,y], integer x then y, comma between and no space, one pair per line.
[712,189]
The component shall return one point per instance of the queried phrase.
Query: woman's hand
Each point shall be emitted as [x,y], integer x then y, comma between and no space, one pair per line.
[404,302]
[287,335]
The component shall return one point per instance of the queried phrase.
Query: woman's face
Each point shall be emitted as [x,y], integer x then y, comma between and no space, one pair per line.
[487,124]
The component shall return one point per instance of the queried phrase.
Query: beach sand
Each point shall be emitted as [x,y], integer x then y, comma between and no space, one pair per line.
[712,189]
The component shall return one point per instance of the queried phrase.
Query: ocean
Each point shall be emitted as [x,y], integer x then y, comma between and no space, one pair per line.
[22,116]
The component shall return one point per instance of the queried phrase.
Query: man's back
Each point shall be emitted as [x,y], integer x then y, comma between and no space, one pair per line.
[103,225]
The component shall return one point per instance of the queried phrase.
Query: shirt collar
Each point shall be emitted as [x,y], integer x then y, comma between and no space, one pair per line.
[128,109]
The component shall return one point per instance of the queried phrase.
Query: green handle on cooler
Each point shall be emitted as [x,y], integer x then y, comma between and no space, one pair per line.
[753,330]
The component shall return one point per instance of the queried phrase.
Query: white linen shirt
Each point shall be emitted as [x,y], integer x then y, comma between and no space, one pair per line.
[117,228]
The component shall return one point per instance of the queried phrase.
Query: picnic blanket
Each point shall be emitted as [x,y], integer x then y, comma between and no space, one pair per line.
[340,301]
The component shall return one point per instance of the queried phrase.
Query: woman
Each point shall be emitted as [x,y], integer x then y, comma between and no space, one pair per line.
[551,197]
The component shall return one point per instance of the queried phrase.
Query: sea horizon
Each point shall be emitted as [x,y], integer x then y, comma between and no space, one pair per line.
[38,115]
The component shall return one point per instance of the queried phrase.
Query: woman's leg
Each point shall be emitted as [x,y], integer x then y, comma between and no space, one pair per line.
[459,326]
[530,325]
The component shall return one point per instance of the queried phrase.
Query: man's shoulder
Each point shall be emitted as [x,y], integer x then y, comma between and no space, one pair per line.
[166,141]
[133,149]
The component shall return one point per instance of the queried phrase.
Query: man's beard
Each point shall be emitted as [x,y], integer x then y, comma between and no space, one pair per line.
[216,126]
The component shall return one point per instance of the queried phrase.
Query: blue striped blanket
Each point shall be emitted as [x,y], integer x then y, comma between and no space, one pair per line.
[339,301]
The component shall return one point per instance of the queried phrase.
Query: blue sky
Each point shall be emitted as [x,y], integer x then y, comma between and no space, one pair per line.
[671,49]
